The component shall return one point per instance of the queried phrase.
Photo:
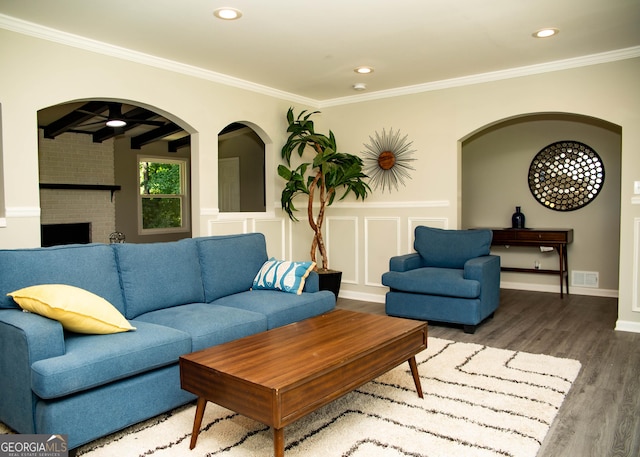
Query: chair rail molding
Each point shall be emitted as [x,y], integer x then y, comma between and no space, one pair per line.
[22,211]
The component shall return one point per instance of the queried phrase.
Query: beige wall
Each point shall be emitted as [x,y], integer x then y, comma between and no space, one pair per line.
[38,73]
[439,121]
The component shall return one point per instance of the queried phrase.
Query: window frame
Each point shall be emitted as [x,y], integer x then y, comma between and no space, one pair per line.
[184,196]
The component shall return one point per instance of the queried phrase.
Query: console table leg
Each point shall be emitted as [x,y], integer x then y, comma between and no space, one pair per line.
[416,376]
[566,267]
[278,442]
[197,422]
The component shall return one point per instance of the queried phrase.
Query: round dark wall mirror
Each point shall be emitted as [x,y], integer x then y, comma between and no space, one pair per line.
[566,175]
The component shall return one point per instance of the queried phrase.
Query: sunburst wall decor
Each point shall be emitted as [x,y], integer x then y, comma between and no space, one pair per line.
[386,159]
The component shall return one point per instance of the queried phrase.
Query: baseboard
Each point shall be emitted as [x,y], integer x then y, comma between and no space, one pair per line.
[556,288]
[379,298]
[628,326]
[362,296]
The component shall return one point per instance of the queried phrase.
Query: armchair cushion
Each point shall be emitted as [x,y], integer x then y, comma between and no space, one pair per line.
[447,282]
[450,248]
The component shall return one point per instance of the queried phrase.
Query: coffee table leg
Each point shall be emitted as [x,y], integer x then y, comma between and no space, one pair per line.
[278,442]
[197,422]
[416,376]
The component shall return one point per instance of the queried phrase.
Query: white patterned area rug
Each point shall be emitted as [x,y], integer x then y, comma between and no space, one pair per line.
[478,401]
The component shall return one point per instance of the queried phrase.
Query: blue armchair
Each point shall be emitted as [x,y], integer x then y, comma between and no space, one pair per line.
[451,278]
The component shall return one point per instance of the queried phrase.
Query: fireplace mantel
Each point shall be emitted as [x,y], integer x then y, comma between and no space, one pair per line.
[109,187]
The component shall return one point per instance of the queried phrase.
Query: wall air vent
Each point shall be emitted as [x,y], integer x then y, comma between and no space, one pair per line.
[585,279]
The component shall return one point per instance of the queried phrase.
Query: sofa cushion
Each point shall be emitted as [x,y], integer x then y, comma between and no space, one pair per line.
[208,324]
[89,266]
[448,282]
[450,248]
[76,309]
[94,360]
[159,275]
[283,275]
[230,263]
[280,308]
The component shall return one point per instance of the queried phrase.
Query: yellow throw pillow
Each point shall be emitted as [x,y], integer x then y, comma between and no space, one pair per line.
[78,310]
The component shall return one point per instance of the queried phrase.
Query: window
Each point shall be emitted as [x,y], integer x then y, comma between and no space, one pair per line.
[163,195]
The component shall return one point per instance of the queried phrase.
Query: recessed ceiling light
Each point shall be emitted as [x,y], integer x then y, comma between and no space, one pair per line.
[359,86]
[545,33]
[228,14]
[363,70]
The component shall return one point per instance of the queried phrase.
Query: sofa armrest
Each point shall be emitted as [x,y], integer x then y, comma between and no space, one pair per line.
[312,283]
[24,339]
[405,262]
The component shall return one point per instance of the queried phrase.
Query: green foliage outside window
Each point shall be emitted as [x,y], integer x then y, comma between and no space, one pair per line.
[160,178]
[161,213]
[163,181]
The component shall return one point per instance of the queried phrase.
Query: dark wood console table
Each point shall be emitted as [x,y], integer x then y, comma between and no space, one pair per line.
[555,238]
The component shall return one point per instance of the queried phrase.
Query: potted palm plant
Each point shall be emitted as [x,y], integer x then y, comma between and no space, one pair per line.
[320,179]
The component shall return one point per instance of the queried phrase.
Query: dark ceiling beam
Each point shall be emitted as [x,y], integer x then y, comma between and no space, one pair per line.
[174,145]
[73,119]
[109,132]
[153,135]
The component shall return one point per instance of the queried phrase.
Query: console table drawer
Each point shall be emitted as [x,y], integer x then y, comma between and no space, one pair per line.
[542,236]
[531,236]
[502,235]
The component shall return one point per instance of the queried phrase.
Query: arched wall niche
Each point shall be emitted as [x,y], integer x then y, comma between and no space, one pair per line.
[495,161]
[242,161]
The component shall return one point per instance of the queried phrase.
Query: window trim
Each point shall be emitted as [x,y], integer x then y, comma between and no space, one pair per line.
[184,196]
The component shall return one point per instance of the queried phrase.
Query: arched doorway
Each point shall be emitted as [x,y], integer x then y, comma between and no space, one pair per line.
[90,171]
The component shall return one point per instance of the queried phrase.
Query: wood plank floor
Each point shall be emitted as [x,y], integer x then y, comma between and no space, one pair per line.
[601,415]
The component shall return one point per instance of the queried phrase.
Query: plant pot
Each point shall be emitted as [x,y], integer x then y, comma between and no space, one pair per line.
[330,280]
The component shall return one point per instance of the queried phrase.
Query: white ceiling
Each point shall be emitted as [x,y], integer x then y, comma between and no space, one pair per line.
[309,49]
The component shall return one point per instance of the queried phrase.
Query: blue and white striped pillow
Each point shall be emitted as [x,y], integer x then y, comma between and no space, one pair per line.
[283,275]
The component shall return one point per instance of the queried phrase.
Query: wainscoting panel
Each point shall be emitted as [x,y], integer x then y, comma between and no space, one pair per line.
[435,222]
[227,227]
[381,241]
[274,233]
[342,242]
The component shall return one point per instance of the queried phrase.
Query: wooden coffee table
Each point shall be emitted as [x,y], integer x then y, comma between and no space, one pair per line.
[281,375]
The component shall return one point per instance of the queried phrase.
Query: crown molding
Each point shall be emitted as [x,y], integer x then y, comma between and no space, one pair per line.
[87,44]
[47,33]
[558,65]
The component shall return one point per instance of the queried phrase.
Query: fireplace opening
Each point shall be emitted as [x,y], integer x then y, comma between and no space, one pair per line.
[57,234]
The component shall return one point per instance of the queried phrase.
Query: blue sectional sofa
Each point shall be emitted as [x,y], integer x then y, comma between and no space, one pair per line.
[180,296]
